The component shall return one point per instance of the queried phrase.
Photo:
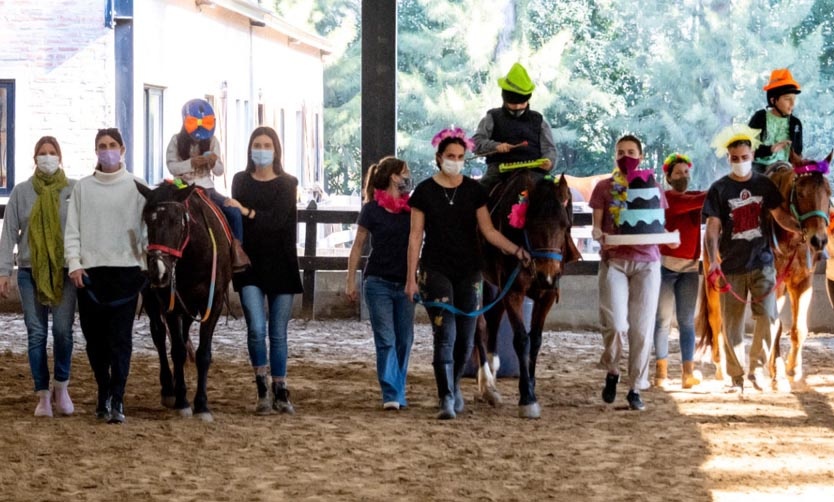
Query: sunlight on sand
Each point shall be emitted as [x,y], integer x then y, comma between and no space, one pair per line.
[765,445]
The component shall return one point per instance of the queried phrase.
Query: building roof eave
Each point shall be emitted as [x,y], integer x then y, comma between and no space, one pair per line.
[269,19]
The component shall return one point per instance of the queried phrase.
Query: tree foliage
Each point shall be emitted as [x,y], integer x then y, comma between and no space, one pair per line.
[673,73]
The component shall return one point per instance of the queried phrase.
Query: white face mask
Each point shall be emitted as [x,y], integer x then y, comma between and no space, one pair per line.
[47,164]
[451,167]
[741,169]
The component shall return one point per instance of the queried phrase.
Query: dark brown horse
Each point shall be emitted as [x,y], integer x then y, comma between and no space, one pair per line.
[805,193]
[189,265]
[546,236]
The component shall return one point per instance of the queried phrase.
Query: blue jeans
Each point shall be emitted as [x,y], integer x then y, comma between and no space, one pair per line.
[678,290]
[392,320]
[232,214]
[35,317]
[280,309]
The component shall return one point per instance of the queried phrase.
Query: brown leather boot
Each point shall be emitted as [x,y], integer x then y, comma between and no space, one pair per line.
[690,377]
[660,375]
[240,261]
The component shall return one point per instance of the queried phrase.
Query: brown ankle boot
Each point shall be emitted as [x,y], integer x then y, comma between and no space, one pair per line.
[690,377]
[240,261]
[660,374]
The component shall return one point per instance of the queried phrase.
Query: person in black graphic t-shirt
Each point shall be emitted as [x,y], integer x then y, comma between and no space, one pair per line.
[738,247]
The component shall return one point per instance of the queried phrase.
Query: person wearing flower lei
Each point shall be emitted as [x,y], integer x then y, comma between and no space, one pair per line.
[679,274]
[447,210]
[629,279]
[386,217]
[738,249]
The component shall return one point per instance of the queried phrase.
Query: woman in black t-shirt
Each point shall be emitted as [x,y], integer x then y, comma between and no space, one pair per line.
[386,218]
[450,208]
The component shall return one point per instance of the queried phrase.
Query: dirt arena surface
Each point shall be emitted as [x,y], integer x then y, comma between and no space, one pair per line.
[694,445]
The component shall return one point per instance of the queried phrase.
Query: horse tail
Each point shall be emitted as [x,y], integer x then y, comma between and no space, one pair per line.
[702,325]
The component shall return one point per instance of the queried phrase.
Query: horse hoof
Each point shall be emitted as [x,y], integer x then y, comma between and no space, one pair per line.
[781,385]
[531,411]
[492,397]
[205,417]
[185,413]
[168,402]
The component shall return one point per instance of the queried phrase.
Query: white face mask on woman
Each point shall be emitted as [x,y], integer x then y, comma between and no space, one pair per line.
[451,167]
[741,169]
[47,164]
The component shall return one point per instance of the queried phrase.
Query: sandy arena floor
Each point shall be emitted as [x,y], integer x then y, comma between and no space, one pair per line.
[694,445]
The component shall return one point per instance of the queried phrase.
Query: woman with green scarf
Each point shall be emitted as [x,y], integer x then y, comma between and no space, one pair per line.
[34,222]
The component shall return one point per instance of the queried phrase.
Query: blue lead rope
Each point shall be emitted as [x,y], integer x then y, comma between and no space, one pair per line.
[456,311]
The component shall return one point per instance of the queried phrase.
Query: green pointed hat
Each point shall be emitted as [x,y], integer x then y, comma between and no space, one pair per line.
[517,81]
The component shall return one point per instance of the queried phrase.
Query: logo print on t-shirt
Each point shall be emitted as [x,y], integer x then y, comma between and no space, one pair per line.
[744,214]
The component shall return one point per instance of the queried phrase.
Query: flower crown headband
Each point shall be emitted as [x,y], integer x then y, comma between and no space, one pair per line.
[676,158]
[812,167]
[451,132]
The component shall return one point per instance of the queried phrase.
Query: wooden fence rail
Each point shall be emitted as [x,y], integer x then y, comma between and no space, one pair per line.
[310,263]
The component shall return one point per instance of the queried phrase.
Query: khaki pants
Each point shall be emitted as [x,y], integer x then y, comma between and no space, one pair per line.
[628,293]
[758,284]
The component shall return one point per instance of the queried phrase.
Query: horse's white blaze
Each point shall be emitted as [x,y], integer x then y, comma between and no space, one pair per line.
[160,268]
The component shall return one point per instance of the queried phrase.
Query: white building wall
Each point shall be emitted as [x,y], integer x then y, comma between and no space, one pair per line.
[61,57]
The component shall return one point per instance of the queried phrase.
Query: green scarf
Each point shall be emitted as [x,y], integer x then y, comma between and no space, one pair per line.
[46,239]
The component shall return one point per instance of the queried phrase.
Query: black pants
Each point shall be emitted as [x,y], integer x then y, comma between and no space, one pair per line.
[108,330]
[454,335]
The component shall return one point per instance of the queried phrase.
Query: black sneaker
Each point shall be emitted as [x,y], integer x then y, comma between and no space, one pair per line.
[634,401]
[609,393]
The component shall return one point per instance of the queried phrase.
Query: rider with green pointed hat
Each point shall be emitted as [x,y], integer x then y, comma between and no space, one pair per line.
[503,132]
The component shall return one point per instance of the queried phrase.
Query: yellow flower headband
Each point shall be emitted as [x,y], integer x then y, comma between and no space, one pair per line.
[733,133]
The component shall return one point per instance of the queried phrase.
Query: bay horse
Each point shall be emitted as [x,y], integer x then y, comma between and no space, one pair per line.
[805,194]
[189,266]
[546,236]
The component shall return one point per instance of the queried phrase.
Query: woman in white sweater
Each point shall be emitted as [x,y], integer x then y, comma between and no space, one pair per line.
[105,252]
[34,222]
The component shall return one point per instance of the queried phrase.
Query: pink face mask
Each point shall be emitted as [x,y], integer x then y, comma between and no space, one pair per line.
[628,165]
[109,158]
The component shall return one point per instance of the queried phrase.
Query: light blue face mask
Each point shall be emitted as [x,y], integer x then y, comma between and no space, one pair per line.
[262,158]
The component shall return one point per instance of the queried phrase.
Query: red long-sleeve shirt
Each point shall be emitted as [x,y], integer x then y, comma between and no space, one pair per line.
[684,215]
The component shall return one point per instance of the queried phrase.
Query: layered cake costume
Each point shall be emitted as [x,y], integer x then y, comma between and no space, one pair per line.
[636,208]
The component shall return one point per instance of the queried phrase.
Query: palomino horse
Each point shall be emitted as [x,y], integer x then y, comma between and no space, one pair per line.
[806,193]
[189,265]
[546,236]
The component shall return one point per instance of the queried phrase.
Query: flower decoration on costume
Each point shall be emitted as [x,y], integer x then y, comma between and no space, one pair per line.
[393,204]
[812,166]
[518,213]
[453,132]
[733,133]
[619,194]
[675,159]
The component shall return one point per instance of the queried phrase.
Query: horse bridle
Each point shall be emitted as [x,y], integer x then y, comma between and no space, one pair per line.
[546,253]
[177,251]
[810,214]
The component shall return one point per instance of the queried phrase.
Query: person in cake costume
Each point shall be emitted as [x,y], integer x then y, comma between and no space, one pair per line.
[781,130]
[514,133]
[679,275]
[739,251]
[628,222]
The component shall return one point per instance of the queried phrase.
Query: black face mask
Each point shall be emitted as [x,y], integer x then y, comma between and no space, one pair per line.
[405,185]
[680,184]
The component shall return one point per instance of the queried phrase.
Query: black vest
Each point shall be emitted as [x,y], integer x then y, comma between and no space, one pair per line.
[512,130]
